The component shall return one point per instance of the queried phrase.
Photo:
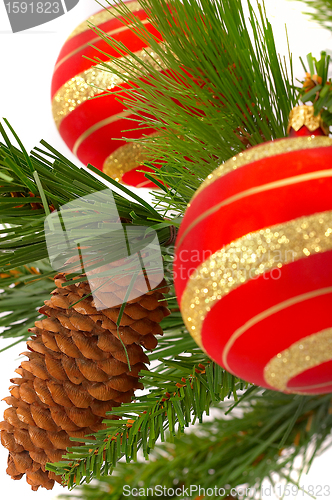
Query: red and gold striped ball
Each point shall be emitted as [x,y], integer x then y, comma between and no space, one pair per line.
[88,126]
[253,265]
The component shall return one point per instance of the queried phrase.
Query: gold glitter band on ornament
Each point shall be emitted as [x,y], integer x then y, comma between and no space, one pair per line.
[98,126]
[262,151]
[249,257]
[95,40]
[102,17]
[79,88]
[305,116]
[304,354]
[126,158]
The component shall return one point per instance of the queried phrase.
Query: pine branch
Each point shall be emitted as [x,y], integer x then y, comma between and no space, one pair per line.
[218,92]
[181,392]
[33,185]
[240,452]
[322,11]
[317,87]
[181,388]
[208,89]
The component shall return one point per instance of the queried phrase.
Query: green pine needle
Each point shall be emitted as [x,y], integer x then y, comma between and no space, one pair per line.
[219,90]
[23,291]
[57,182]
[181,392]
[320,11]
[209,90]
[229,453]
[317,87]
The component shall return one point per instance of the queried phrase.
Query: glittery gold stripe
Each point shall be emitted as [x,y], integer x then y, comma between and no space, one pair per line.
[124,159]
[320,174]
[102,17]
[307,353]
[266,314]
[94,40]
[79,88]
[97,126]
[267,150]
[248,257]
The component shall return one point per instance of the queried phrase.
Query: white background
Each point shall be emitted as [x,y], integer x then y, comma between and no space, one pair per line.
[26,65]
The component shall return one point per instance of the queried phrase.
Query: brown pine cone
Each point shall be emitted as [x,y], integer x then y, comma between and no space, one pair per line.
[76,372]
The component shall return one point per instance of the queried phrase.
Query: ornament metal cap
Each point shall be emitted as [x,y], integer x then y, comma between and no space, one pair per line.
[304,116]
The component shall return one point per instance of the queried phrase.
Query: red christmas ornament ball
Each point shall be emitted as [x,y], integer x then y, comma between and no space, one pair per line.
[253,265]
[89,126]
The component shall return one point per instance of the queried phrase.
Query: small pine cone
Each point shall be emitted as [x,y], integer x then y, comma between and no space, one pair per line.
[76,372]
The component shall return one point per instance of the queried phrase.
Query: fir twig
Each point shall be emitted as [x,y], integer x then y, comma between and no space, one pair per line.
[181,392]
[320,11]
[317,87]
[23,291]
[209,89]
[225,454]
[58,182]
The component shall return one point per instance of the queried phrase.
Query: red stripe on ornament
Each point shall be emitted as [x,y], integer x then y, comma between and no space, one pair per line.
[88,114]
[78,64]
[88,153]
[88,34]
[255,174]
[318,390]
[317,380]
[85,37]
[254,211]
[93,111]
[138,179]
[259,343]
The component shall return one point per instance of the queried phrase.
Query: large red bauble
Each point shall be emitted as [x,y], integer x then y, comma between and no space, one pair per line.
[89,126]
[253,265]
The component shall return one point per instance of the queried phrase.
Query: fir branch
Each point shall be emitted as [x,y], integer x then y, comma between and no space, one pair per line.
[320,11]
[208,89]
[58,182]
[221,93]
[181,392]
[240,452]
[317,87]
